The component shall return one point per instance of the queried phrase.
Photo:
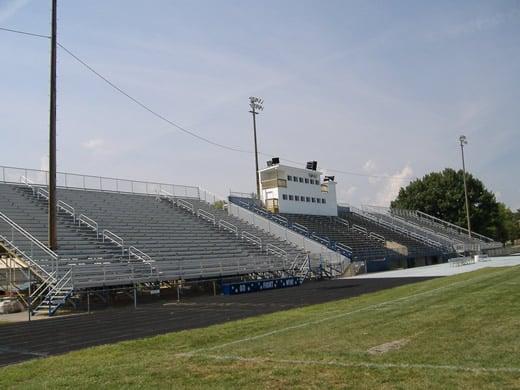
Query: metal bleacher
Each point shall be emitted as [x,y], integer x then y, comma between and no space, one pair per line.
[134,233]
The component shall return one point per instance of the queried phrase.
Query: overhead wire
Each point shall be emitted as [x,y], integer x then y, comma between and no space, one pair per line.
[182,128]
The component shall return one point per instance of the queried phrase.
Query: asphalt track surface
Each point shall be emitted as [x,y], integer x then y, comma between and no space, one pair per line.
[28,340]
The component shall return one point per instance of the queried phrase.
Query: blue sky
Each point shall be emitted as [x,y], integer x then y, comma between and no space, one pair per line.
[362,86]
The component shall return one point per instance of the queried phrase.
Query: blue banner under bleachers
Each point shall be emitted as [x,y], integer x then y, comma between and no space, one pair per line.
[259,285]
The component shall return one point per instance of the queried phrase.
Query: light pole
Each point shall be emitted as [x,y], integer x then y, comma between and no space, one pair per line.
[256,105]
[464,141]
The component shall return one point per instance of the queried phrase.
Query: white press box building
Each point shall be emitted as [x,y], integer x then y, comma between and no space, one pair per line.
[291,190]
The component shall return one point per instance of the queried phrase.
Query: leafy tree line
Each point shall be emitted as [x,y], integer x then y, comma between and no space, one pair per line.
[441,194]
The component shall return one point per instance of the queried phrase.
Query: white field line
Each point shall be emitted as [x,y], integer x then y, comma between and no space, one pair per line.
[335,363]
[342,315]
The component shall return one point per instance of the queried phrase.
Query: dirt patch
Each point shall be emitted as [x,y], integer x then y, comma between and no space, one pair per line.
[387,347]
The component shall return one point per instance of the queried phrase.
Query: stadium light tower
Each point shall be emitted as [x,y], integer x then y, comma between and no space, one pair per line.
[464,141]
[256,105]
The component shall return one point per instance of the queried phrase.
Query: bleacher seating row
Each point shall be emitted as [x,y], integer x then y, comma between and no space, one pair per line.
[168,241]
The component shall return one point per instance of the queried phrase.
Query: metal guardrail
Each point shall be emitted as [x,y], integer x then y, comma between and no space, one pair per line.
[113,238]
[270,248]
[323,240]
[89,222]
[68,209]
[344,248]
[228,226]
[360,229]
[342,222]
[300,228]
[377,237]
[398,226]
[207,216]
[251,238]
[448,225]
[96,183]
[185,205]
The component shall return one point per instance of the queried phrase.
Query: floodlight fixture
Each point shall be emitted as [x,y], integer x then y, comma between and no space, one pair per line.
[256,105]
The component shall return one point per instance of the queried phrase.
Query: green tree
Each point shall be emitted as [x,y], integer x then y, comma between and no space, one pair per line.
[441,194]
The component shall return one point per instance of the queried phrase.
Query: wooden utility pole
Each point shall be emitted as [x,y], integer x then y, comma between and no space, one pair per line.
[53,235]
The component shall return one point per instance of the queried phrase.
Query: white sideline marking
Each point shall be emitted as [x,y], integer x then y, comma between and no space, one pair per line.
[362,364]
[341,315]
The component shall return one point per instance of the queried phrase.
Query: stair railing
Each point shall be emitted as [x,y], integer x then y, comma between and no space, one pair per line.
[185,205]
[279,252]
[300,228]
[83,219]
[203,214]
[56,288]
[113,238]
[9,239]
[345,249]
[251,238]
[377,237]
[228,226]
[139,254]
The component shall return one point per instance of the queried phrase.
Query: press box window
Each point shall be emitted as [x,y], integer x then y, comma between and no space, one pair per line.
[308,199]
[313,200]
[302,198]
[290,197]
[296,198]
[289,178]
[323,201]
[306,181]
[312,181]
[318,200]
[284,196]
[301,179]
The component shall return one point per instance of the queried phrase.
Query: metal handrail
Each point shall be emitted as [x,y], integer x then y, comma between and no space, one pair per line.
[89,222]
[113,237]
[207,216]
[36,294]
[43,192]
[342,221]
[270,248]
[377,237]
[398,228]
[186,205]
[300,228]
[97,183]
[68,209]
[458,229]
[324,240]
[164,192]
[280,219]
[360,229]
[27,257]
[28,235]
[344,248]
[228,226]
[251,238]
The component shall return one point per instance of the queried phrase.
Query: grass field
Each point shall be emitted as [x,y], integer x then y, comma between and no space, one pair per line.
[456,332]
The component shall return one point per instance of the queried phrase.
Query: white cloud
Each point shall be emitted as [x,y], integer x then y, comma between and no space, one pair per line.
[369,166]
[345,195]
[393,185]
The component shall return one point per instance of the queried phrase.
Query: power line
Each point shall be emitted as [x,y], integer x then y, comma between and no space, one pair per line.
[24,33]
[147,108]
[183,129]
